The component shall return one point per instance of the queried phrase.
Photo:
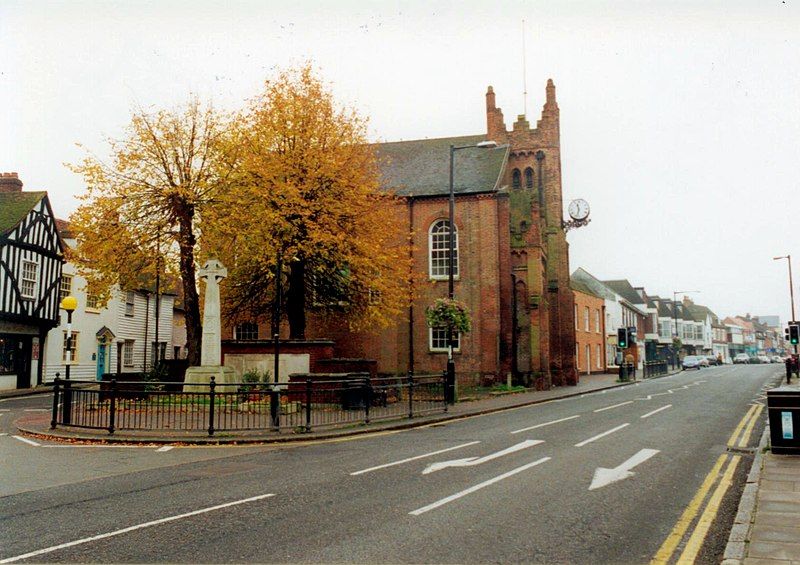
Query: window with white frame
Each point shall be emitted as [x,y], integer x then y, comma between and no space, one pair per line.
[586,318]
[65,289]
[597,320]
[127,353]
[439,245]
[130,296]
[73,347]
[665,329]
[92,302]
[438,339]
[247,331]
[599,357]
[29,277]
[576,316]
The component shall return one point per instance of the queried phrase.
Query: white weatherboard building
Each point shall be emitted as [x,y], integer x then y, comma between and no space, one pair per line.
[119,336]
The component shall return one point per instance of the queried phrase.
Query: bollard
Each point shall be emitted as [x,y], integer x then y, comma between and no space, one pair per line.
[211,401]
[54,419]
[308,405]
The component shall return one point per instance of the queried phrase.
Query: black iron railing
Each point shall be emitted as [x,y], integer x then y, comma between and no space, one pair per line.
[298,406]
[655,368]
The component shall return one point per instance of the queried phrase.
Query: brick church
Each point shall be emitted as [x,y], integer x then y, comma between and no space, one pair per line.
[511,258]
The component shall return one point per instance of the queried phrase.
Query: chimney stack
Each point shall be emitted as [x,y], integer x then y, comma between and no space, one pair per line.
[9,182]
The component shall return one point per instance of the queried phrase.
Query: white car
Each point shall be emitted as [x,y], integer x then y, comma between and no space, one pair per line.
[741,358]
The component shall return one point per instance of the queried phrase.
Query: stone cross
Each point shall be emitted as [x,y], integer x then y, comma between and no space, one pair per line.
[211,353]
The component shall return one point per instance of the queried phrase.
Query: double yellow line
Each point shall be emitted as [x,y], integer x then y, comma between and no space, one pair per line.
[721,476]
[747,423]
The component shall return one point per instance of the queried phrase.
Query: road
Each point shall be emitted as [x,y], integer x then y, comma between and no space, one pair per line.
[602,478]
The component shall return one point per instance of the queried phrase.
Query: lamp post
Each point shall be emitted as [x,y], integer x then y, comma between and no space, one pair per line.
[69,304]
[675,294]
[451,366]
[791,286]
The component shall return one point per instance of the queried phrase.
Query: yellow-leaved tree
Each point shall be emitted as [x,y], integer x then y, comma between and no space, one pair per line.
[307,197]
[146,202]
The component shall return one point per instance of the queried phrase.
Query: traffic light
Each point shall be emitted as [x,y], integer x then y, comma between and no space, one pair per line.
[794,334]
[632,335]
[622,338]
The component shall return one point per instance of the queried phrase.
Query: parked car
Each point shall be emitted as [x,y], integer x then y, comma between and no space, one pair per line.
[777,359]
[741,358]
[764,359]
[693,362]
[713,360]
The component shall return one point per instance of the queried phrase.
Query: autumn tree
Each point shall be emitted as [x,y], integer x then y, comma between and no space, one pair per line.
[146,202]
[307,196]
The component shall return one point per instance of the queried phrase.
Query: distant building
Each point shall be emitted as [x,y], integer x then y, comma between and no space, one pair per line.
[590,334]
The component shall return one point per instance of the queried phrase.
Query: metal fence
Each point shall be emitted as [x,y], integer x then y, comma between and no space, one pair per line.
[655,368]
[210,407]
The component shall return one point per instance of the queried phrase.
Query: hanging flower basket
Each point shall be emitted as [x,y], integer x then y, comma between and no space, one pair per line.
[448,313]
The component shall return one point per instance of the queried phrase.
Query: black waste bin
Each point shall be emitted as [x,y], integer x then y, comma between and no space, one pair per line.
[783,407]
[354,395]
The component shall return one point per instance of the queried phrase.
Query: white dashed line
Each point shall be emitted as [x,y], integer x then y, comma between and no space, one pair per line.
[545,424]
[28,441]
[362,471]
[131,529]
[477,487]
[614,406]
[165,448]
[604,434]
[656,411]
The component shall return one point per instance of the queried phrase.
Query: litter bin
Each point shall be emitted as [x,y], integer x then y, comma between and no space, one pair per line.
[783,407]
[354,395]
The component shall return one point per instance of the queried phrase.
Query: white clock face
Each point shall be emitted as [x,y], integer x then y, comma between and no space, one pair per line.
[578,209]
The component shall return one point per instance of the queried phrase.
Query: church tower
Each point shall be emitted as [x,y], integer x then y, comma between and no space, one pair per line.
[545,346]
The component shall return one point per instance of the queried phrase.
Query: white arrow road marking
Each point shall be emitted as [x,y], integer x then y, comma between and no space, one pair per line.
[133,528]
[26,440]
[604,434]
[604,477]
[393,463]
[470,461]
[165,448]
[4,434]
[36,410]
[614,406]
[656,411]
[477,487]
[545,424]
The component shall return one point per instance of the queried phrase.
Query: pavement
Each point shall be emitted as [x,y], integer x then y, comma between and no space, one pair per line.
[766,530]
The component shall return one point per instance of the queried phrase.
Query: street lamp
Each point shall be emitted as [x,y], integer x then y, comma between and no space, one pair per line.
[675,294]
[451,366]
[69,304]
[791,286]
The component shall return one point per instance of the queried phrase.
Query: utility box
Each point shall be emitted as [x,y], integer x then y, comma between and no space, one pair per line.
[783,407]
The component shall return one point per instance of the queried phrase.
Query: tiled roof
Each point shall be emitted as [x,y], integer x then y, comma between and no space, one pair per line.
[422,167]
[598,287]
[14,206]
[580,286]
[625,290]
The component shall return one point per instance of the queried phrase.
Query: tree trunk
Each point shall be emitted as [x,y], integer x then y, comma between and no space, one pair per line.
[191,301]
[296,300]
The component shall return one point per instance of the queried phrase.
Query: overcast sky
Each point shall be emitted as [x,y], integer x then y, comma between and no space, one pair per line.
[680,121]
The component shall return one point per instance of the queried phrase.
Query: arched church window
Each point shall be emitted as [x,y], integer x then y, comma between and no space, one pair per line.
[439,250]
[515,179]
[528,178]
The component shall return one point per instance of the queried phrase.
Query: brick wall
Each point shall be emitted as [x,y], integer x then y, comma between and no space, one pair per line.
[590,337]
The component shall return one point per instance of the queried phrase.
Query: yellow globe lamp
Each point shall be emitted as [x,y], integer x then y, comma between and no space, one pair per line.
[69,303]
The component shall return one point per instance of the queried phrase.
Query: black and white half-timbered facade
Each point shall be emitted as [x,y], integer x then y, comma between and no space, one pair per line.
[31,256]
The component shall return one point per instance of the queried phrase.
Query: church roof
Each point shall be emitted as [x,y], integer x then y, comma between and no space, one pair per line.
[422,167]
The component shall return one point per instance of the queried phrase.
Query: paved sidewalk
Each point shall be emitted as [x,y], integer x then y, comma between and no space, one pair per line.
[767,531]
[38,424]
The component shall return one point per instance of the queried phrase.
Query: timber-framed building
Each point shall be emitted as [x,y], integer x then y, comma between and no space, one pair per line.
[31,257]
